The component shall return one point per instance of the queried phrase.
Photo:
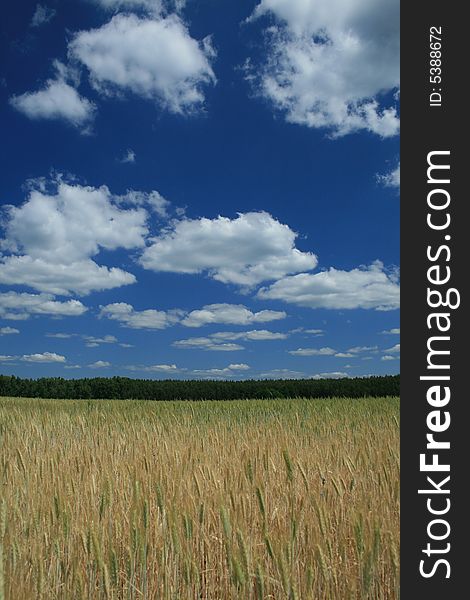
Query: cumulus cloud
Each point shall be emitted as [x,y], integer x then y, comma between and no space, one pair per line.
[391,179]
[229,314]
[253,335]
[100,364]
[52,237]
[393,350]
[207,343]
[7,358]
[143,319]
[129,157]
[94,342]
[151,7]
[282,374]
[221,340]
[162,368]
[155,58]
[56,100]
[329,63]
[245,251]
[90,340]
[153,200]
[313,352]
[168,369]
[394,331]
[362,349]
[233,314]
[389,357]
[330,375]
[42,15]
[45,357]
[115,5]
[18,307]
[239,367]
[369,287]
[81,277]
[8,331]
[61,336]
[230,371]
[326,351]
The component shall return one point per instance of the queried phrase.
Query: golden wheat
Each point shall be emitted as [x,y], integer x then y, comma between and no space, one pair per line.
[279,499]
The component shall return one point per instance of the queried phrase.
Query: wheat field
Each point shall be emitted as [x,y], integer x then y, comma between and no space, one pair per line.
[279,499]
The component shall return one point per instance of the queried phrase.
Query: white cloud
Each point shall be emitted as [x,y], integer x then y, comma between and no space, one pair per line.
[100,364]
[394,331]
[155,7]
[152,200]
[362,349]
[210,314]
[205,343]
[61,336]
[229,314]
[8,331]
[72,366]
[389,357]
[156,368]
[253,335]
[163,368]
[155,58]
[239,367]
[332,375]
[313,352]
[329,63]
[81,277]
[52,238]
[115,5]
[365,287]
[45,357]
[245,251]
[230,371]
[93,342]
[282,374]
[391,179]
[143,319]
[6,358]
[222,339]
[18,307]
[129,157]
[350,353]
[42,15]
[315,332]
[393,349]
[220,373]
[57,100]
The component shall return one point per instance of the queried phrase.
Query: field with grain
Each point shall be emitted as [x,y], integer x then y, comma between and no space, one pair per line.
[279,499]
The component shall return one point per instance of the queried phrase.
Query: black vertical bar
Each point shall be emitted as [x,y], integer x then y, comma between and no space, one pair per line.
[433,123]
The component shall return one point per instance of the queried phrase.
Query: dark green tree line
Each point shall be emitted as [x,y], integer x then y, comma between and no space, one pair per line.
[172,389]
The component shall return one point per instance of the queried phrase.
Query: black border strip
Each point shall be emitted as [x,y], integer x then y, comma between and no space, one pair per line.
[427,128]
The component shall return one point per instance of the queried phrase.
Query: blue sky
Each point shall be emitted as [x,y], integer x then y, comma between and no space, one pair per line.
[200,189]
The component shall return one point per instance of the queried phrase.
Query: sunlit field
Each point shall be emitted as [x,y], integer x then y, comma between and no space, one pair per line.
[254,499]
